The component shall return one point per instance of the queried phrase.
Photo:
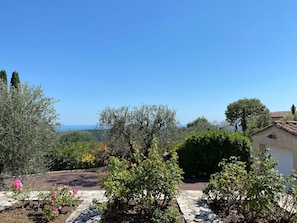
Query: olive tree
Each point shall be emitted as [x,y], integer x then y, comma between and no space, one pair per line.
[27,128]
[200,124]
[249,114]
[127,127]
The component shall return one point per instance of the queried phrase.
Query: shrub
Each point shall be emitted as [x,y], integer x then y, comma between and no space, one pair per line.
[255,194]
[101,152]
[200,154]
[58,197]
[68,156]
[149,181]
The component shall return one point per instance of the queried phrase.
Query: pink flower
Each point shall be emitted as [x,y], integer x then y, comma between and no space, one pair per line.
[17,184]
[54,196]
[60,207]
[71,192]
[55,210]
[75,191]
[78,197]
[51,203]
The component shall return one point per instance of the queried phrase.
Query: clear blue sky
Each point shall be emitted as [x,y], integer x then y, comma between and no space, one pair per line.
[194,56]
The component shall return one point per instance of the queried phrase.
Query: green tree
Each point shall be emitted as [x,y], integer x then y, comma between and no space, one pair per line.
[249,114]
[293,109]
[291,116]
[3,77]
[201,124]
[127,127]
[15,80]
[27,129]
[76,136]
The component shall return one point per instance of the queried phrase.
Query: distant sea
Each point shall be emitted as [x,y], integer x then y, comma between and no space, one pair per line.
[64,128]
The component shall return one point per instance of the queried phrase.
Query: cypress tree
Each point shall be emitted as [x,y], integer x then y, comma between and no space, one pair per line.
[15,80]
[3,76]
[3,81]
[293,109]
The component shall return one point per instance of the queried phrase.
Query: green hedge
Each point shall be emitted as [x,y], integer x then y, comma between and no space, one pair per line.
[200,153]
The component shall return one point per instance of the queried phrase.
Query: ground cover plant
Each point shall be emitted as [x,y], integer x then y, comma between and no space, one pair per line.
[142,189]
[52,206]
[260,194]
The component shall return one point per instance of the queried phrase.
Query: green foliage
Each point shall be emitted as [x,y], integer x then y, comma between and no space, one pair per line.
[139,125]
[101,152]
[253,194]
[58,197]
[76,136]
[68,156]
[249,114]
[149,181]
[15,80]
[292,116]
[3,77]
[27,129]
[200,154]
[200,124]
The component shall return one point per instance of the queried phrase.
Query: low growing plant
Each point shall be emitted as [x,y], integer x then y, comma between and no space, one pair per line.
[19,191]
[58,197]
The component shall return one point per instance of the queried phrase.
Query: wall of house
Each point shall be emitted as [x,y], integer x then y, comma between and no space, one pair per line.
[284,145]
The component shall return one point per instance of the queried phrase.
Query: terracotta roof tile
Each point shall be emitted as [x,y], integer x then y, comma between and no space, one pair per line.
[288,126]
[279,114]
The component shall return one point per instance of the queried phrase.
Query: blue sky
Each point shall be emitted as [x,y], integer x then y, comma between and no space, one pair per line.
[194,56]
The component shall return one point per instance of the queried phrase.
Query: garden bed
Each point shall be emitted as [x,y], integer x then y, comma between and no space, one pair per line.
[132,213]
[31,212]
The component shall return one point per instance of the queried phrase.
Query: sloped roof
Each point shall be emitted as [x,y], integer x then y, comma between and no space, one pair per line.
[279,114]
[287,126]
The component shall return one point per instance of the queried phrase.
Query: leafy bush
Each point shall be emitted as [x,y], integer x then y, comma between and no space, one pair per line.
[201,153]
[68,156]
[58,197]
[149,181]
[101,152]
[255,195]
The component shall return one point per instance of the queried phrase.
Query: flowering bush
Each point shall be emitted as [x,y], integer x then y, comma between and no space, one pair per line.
[88,160]
[17,185]
[58,197]
[19,192]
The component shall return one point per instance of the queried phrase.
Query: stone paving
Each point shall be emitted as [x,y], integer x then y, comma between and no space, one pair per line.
[190,202]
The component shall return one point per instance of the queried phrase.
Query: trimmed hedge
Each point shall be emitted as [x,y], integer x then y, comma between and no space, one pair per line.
[200,153]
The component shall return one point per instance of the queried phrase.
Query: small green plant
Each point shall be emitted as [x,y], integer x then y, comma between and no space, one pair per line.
[150,181]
